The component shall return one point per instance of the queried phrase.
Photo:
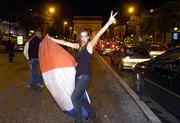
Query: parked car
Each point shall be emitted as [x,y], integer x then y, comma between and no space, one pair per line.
[160,78]
[130,55]
[156,50]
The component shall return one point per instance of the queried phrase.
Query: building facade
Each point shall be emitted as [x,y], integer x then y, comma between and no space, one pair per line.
[9,31]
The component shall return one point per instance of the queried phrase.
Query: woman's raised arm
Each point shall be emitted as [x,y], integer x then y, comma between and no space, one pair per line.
[103,29]
[65,43]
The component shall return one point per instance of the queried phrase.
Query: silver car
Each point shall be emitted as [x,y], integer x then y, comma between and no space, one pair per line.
[129,56]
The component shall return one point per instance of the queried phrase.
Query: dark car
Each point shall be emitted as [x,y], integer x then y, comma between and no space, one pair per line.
[160,79]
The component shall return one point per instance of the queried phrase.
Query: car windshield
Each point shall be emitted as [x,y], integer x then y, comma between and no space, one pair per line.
[137,52]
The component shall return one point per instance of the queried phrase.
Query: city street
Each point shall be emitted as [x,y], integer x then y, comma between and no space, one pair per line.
[20,104]
[131,49]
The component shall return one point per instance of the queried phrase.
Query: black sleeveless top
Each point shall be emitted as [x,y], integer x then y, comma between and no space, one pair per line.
[83,59]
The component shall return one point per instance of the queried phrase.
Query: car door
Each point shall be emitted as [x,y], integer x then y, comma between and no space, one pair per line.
[175,85]
[165,82]
[166,70]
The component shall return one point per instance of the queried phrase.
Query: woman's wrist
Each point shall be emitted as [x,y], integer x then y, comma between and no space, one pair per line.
[50,37]
[109,23]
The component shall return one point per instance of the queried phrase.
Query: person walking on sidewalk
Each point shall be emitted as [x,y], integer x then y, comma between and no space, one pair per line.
[83,67]
[31,50]
[10,49]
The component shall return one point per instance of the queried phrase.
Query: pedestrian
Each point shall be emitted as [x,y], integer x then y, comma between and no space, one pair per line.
[31,50]
[83,67]
[10,49]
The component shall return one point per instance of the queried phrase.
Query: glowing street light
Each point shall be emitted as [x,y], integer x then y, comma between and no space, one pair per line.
[65,22]
[64,26]
[51,10]
[131,10]
[70,28]
[151,10]
[70,31]
[114,21]
[175,28]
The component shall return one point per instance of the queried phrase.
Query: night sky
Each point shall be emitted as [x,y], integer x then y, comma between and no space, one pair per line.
[103,7]
[69,8]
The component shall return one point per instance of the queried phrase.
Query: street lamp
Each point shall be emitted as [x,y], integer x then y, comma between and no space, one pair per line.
[70,29]
[175,28]
[65,22]
[151,10]
[112,28]
[131,10]
[51,10]
[114,21]
[49,15]
[64,27]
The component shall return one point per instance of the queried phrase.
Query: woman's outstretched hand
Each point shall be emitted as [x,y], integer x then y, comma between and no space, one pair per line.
[112,17]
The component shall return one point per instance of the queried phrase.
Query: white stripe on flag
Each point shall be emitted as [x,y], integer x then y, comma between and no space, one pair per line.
[60,83]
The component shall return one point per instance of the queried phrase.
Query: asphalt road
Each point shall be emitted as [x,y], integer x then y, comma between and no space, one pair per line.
[11,72]
[20,104]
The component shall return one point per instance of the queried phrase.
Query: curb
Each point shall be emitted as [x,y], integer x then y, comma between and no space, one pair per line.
[146,110]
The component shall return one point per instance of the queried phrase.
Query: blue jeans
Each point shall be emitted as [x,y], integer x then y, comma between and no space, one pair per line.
[35,77]
[78,100]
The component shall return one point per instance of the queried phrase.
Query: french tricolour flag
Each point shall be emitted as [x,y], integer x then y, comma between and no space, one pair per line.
[58,71]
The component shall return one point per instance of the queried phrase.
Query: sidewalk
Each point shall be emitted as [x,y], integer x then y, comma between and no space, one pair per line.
[114,101]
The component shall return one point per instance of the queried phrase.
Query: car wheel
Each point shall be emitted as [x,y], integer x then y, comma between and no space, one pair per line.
[139,83]
[120,66]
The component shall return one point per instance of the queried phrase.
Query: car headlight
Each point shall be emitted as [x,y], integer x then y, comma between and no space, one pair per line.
[127,58]
[133,66]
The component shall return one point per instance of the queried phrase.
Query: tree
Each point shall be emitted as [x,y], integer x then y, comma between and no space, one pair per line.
[147,26]
[168,17]
[30,21]
[19,14]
